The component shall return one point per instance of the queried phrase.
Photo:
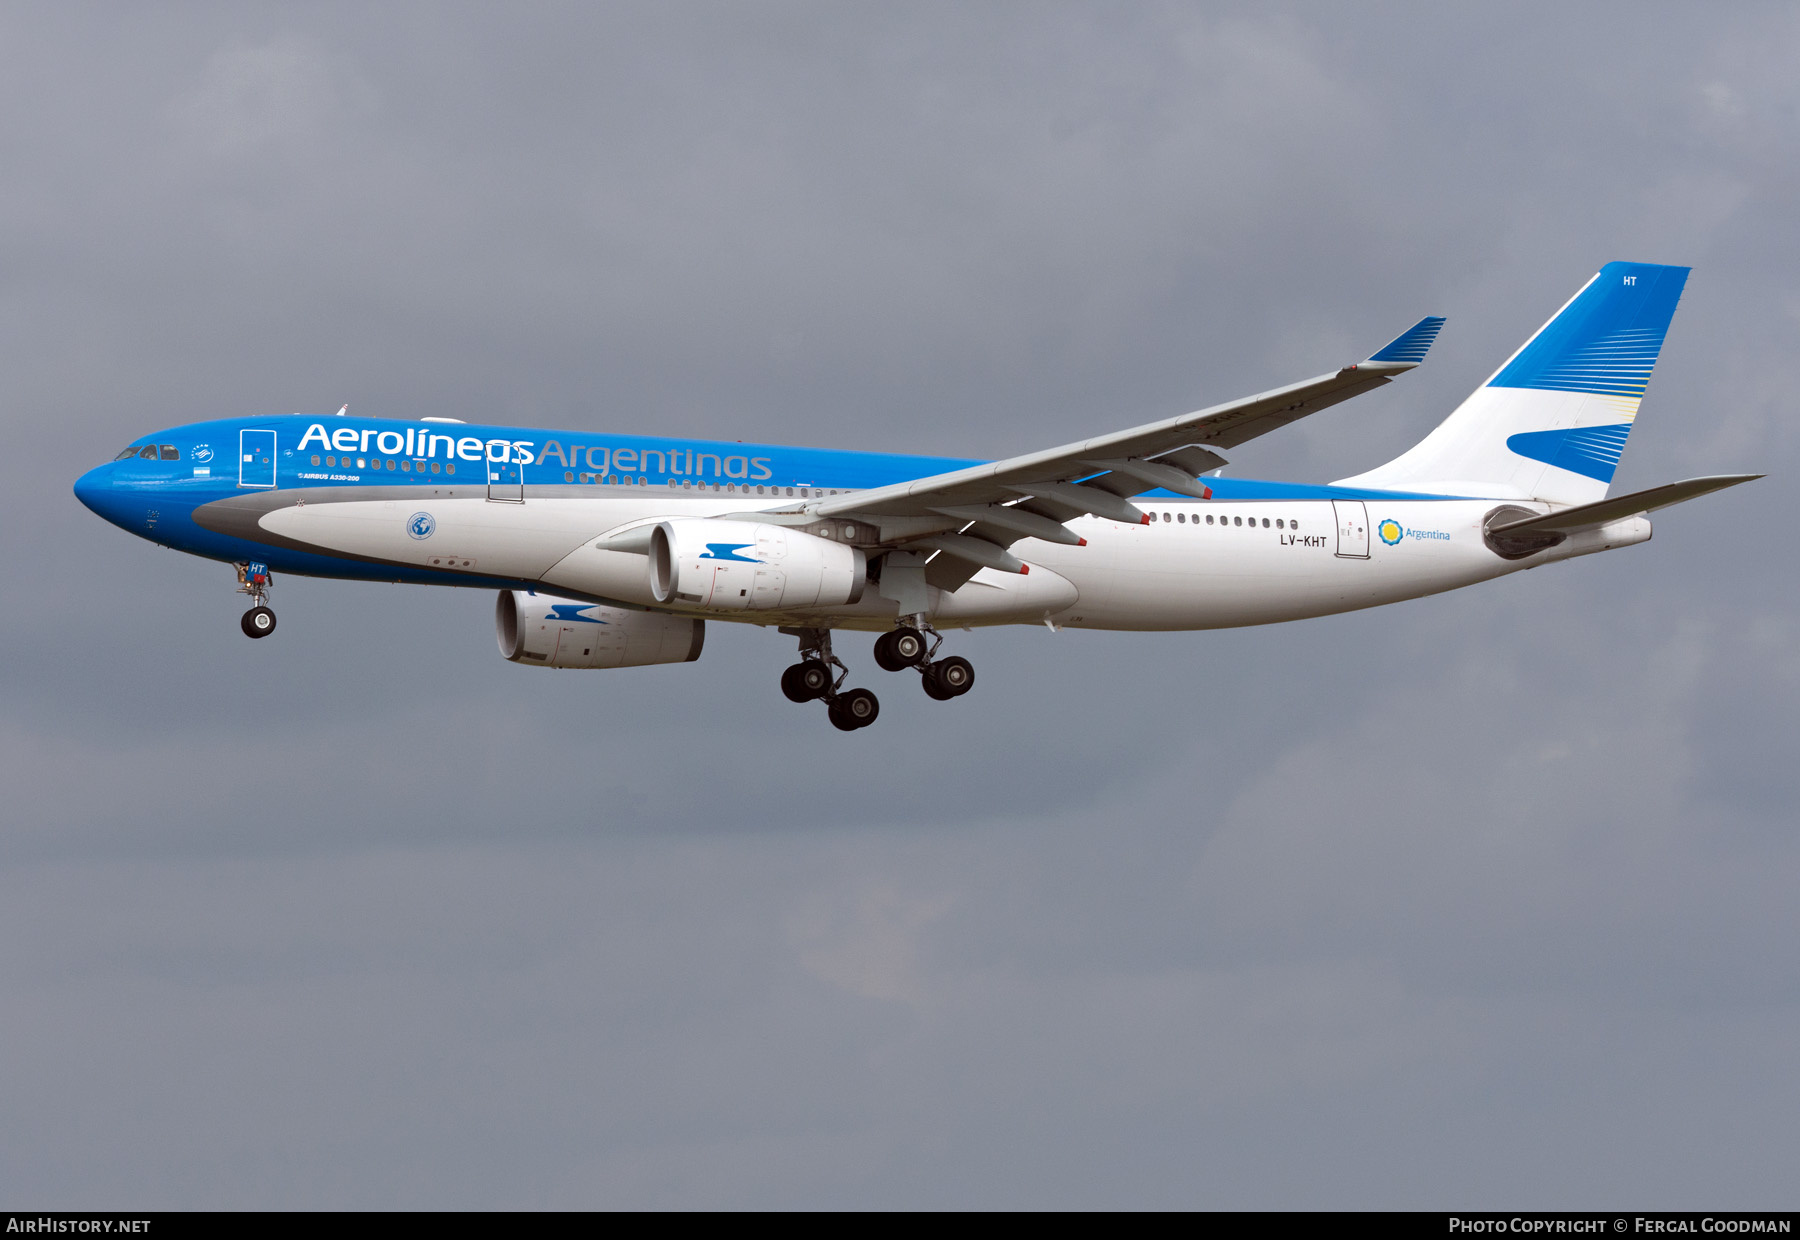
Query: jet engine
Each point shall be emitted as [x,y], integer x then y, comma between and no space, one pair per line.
[749,566]
[539,630]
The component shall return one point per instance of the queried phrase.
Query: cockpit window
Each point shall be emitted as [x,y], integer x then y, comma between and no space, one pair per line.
[148,452]
[126,455]
[170,452]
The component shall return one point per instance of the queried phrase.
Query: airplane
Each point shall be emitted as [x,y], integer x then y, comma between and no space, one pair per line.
[613,550]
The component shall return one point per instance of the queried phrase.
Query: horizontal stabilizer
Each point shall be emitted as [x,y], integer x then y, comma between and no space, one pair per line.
[1606,511]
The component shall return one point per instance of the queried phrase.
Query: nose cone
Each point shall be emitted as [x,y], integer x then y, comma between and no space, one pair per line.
[111,495]
[92,489]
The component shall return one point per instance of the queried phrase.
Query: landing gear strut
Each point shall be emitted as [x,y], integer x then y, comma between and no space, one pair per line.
[907,646]
[812,678]
[255,580]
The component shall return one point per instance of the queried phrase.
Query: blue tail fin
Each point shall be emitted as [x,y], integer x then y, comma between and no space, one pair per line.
[1551,423]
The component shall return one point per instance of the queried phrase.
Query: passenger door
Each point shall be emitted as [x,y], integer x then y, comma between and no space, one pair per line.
[256,458]
[1352,528]
[505,477]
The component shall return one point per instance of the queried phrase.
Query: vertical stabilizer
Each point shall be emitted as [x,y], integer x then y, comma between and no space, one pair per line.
[1551,423]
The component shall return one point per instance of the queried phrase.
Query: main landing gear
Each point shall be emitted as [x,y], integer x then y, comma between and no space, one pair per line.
[916,645]
[910,645]
[255,580]
[812,678]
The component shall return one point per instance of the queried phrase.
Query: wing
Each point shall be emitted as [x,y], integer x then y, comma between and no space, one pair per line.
[971,515]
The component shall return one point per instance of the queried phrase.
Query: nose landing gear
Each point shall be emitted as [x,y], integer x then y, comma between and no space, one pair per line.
[255,580]
[812,678]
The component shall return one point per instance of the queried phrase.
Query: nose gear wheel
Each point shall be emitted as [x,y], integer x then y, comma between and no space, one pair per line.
[255,580]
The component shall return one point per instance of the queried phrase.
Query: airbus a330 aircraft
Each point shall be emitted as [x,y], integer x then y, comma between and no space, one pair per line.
[612,550]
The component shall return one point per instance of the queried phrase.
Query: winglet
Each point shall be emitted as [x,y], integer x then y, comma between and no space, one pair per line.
[1408,348]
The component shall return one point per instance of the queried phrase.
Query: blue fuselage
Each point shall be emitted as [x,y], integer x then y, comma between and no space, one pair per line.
[156,487]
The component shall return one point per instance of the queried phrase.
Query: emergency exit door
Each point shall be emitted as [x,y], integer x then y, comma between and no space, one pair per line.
[1352,528]
[256,458]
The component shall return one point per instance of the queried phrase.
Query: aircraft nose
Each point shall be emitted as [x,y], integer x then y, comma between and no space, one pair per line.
[109,496]
[92,489]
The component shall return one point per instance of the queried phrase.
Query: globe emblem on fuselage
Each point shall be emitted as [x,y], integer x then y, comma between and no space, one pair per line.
[420,524]
[1391,532]
[202,453]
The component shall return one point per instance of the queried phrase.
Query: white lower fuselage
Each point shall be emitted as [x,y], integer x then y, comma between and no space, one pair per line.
[1255,562]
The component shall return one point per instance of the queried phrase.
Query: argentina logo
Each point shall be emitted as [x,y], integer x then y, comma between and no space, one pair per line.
[1391,532]
[420,524]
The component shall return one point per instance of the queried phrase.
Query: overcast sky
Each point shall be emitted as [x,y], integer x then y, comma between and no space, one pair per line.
[1480,900]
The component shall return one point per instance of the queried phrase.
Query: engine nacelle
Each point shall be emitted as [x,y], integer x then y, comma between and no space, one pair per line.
[749,566]
[542,631]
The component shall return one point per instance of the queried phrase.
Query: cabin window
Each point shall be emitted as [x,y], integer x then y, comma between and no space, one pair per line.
[390,466]
[1209,518]
[568,475]
[406,466]
[315,458]
[1237,520]
[449,467]
[1278,524]
[435,466]
[1265,523]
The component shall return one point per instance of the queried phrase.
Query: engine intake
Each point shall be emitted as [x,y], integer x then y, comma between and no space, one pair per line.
[750,566]
[543,631]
